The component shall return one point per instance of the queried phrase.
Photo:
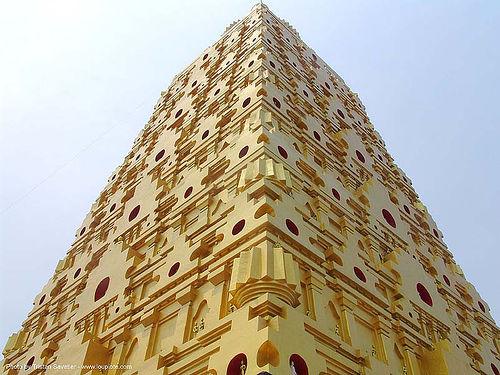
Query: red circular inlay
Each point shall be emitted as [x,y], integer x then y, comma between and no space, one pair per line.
[481,306]
[317,136]
[360,156]
[388,217]
[283,152]
[188,192]
[159,155]
[238,227]
[133,214]
[424,294]
[77,273]
[42,299]
[173,270]
[243,151]
[359,274]
[179,112]
[446,280]
[112,208]
[83,230]
[292,227]
[335,193]
[341,114]
[205,134]
[101,289]
[30,361]
[276,102]
[406,209]
[246,102]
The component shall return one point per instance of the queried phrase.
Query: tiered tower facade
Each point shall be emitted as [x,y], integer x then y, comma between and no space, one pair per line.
[257,226]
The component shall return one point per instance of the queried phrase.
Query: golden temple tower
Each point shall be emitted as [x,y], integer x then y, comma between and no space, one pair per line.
[257,226]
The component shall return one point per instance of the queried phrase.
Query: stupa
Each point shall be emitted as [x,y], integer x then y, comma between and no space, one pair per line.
[257,226]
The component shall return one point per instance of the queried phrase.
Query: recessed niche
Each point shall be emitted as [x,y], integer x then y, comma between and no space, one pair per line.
[216,92]
[407,210]
[205,57]
[42,299]
[435,232]
[251,63]
[112,208]
[238,227]
[173,270]
[133,214]
[77,272]
[389,218]
[246,102]
[283,152]
[335,193]
[317,136]
[272,64]
[360,156]
[495,369]
[305,93]
[360,274]
[327,85]
[298,365]
[159,155]
[481,306]
[236,365]
[243,152]
[340,113]
[276,102]
[292,227]
[101,289]
[117,309]
[424,294]
[205,134]
[82,231]
[188,192]
[179,112]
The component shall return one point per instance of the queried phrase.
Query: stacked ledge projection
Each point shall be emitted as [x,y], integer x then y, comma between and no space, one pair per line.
[257,226]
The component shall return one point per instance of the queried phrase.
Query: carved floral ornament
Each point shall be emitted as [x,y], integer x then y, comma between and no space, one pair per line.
[264,270]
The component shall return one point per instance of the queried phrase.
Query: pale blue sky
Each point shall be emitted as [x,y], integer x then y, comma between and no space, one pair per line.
[79,80]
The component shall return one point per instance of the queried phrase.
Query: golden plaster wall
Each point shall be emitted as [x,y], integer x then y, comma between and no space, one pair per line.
[258,221]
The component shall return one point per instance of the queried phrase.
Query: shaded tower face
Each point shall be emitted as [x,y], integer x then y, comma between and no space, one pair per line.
[258,226]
